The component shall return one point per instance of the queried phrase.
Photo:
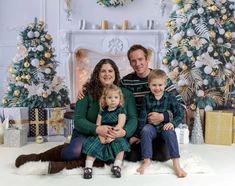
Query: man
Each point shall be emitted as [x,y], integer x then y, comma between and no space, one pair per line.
[137,83]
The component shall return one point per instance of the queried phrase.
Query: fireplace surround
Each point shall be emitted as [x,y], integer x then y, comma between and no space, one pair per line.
[80,50]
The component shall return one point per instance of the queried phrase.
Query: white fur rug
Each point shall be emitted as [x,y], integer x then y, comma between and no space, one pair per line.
[191,163]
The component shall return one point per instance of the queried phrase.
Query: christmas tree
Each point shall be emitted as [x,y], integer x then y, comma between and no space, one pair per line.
[33,81]
[197,134]
[199,51]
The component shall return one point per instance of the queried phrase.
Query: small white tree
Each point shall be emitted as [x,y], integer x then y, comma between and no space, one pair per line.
[197,133]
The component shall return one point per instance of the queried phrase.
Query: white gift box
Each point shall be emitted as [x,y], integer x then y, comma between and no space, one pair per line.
[15,137]
[182,134]
[18,116]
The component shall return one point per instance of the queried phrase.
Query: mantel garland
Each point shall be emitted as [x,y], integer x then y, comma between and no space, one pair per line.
[113,3]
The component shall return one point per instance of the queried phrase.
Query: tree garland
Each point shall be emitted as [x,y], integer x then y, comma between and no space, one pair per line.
[113,3]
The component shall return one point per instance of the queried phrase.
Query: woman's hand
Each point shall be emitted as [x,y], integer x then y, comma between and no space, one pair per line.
[134,140]
[155,118]
[117,132]
[104,131]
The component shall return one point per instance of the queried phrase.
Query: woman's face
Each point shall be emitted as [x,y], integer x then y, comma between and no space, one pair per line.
[107,75]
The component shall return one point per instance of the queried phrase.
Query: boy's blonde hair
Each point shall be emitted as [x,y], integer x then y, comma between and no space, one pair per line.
[106,91]
[157,74]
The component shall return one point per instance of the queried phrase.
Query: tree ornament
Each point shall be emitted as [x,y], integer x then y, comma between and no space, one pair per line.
[193,106]
[228,35]
[44,94]
[227,54]
[48,36]
[4,101]
[42,62]
[214,8]
[26,64]
[28,77]
[23,77]
[225,17]
[165,61]
[17,93]
[47,55]
[35,62]
[213,73]
[184,67]
[18,78]
[11,70]
[212,34]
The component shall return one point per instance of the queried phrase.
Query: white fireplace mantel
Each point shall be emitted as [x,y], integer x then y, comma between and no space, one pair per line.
[112,42]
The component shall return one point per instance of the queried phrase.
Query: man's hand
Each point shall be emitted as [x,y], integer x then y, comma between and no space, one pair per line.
[155,118]
[104,131]
[134,140]
[117,132]
[168,126]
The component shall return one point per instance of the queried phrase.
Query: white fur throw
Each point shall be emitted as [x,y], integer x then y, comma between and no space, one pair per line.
[191,163]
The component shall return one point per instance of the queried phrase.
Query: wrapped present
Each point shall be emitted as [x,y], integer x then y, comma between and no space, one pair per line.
[69,123]
[15,137]
[18,116]
[37,122]
[233,129]
[218,127]
[55,124]
[182,134]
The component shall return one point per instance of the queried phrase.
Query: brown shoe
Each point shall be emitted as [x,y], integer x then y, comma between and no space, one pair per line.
[22,159]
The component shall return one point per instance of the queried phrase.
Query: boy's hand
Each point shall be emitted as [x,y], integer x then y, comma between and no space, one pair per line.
[155,117]
[134,140]
[168,126]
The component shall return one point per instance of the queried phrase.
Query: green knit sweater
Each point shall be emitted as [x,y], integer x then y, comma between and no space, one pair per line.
[87,110]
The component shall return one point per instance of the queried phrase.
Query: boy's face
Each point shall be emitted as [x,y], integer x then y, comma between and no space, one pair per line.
[112,99]
[157,86]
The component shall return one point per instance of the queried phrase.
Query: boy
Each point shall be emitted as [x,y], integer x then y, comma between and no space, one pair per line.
[158,100]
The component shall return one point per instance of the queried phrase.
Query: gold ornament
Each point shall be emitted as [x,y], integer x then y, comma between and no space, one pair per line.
[212,34]
[42,62]
[228,35]
[18,78]
[48,36]
[177,1]
[23,77]
[233,105]
[39,139]
[225,17]
[172,23]
[184,67]
[214,8]
[213,73]
[28,77]
[17,93]
[26,64]
[44,94]
[11,70]
[4,101]
[227,53]
[168,24]
[47,55]
[193,106]
[165,61]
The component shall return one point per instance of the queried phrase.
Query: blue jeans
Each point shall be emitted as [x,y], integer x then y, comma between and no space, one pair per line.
[150,132]
[73,150]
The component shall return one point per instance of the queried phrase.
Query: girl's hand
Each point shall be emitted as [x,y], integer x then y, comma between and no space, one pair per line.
[108,140]
[134,140]
[168,126]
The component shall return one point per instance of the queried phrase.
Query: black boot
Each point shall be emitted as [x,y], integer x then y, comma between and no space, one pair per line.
[87,173]
[116,170]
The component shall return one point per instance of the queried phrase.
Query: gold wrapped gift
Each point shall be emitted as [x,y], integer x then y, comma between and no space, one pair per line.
[233,129]
[218,129]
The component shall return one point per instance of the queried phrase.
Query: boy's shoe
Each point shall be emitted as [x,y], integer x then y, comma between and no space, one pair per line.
[116,170]
[87,173]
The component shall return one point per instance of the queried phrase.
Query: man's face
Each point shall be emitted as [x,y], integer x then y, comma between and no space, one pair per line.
[157,87]
[139,63]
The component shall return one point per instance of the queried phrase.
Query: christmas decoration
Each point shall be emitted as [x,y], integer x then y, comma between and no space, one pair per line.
[113,3]
[197,133]
[199,50]
[33,81]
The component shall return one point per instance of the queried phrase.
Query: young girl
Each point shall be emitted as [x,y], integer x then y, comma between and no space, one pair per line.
[108,149]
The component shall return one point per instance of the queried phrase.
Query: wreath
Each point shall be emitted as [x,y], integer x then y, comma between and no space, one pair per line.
[113,3]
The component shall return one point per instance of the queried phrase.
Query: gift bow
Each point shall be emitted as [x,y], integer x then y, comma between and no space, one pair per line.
[57,120]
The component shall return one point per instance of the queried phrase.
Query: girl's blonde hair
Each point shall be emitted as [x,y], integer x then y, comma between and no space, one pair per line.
[105,93]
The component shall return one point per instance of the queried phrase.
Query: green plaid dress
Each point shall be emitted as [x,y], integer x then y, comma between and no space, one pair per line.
[106,152]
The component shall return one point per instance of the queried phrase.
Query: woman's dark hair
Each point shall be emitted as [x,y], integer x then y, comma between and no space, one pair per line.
[94,86]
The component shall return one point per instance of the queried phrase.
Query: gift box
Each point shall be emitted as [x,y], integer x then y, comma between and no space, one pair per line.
[218,127]
[18,116]
[15,137]
[233,129]
[55,124]
[37,122]
[182,134]
[69,123]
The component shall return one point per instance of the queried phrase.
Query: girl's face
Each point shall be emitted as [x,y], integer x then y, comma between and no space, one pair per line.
[112,99]
[157,87]
[107,75]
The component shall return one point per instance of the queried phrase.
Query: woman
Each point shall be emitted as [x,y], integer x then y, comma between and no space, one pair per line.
[104,74]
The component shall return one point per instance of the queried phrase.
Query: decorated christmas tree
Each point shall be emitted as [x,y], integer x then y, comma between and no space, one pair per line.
[200,51]
[197,133]
[33,81]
